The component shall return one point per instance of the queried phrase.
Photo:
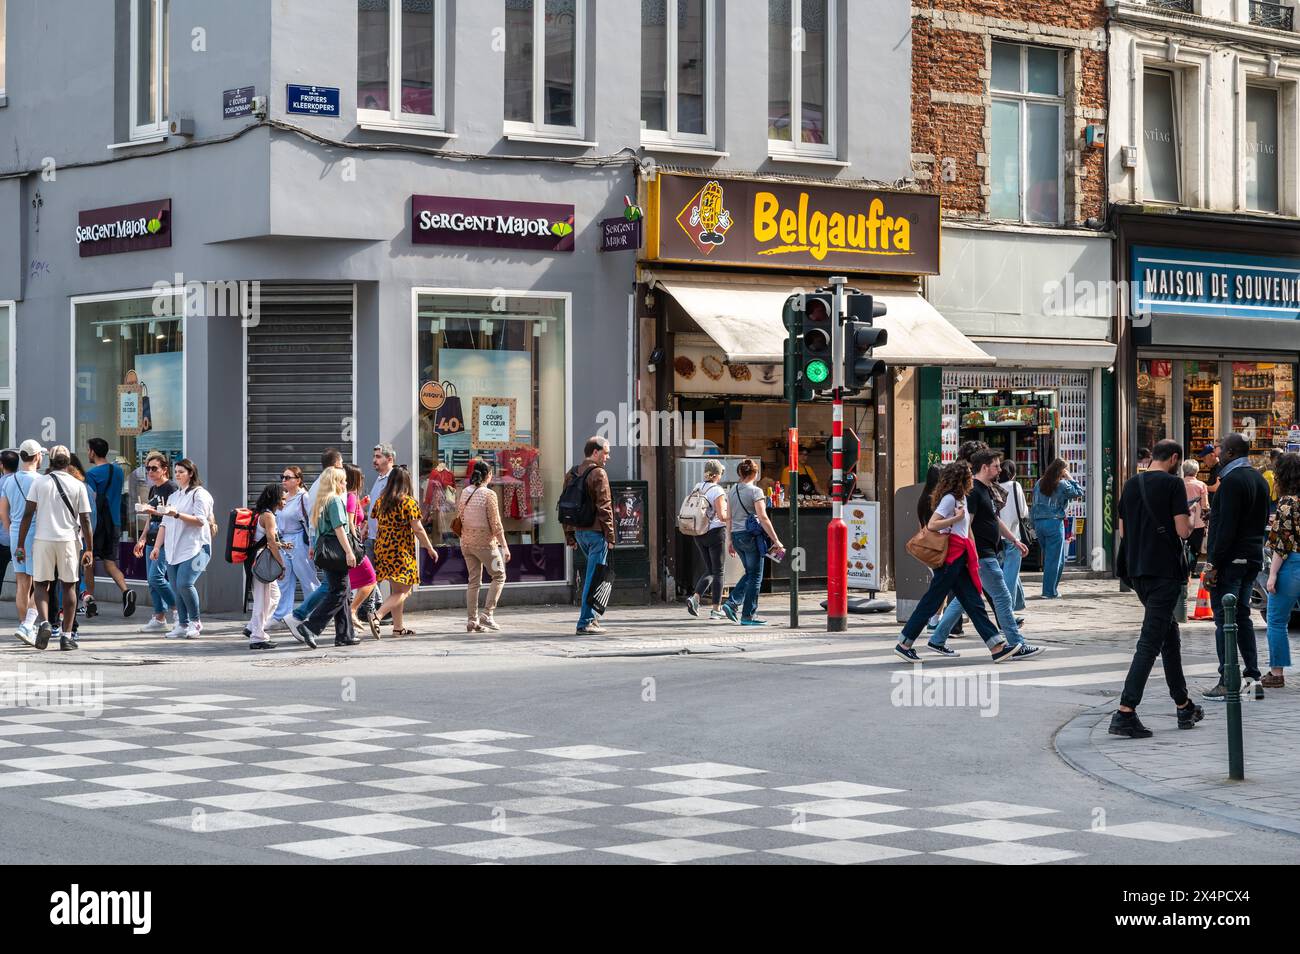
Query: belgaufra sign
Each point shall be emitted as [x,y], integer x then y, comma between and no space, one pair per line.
[785,225]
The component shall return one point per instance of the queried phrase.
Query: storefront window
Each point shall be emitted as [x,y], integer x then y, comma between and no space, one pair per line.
[492,380]
[1263,405]
[1202,400]
[129,389]
[1155,387]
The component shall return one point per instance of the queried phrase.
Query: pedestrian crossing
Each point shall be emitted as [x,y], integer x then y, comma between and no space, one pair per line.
[1060,666]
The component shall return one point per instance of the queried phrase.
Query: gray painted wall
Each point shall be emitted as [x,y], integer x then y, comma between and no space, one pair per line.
[274,206]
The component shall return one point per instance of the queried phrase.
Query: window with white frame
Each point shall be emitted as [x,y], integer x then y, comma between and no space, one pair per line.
[801,77]
[677,70]
[6,371]
[544,66]
[399,62]
[1261,149]
[149,67]
[1161,170]
[1026,156]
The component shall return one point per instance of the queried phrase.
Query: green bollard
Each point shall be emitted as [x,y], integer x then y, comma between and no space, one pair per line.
[1232,681]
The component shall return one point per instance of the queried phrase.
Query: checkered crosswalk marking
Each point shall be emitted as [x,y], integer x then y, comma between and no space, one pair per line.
[325,783]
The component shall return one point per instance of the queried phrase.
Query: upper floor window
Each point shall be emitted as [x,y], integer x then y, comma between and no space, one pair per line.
[399,45]
[544,66]
[1026,157]
[677,70]
[149,67]
[800,76]
[1261,145]
[1160,146]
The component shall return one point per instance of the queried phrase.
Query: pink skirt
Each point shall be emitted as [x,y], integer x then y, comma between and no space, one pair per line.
[361,575]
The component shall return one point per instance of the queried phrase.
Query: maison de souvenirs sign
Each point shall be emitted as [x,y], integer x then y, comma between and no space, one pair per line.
[792,226]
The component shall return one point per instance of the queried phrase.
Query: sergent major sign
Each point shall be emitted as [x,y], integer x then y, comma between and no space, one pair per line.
[791,226]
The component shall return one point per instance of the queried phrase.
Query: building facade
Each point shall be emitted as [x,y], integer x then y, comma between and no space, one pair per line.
[1009,115]
[245,232]
[1203,180]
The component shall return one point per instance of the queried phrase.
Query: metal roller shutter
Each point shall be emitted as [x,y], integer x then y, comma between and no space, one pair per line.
[299,380]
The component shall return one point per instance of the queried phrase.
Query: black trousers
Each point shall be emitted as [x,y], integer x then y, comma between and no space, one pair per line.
[1195,541]
[6,556]
[710,546]
[1159,637]
[1237,579]
[334,604]
[951,578]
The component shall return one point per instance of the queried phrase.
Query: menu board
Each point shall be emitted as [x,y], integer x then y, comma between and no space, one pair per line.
[863,520]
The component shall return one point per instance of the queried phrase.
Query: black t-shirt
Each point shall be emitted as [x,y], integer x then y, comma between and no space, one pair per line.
[1153,548]
[157,497]
[983,521]
[1209,480]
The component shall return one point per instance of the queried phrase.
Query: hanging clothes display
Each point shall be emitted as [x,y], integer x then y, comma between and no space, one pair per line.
[520,478]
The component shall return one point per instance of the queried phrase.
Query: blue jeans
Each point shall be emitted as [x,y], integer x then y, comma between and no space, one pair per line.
[1280,605]
[182,576]
[994,583]
[160,591]
[952,578]
[313,600]
[1011,560]
[1237,579]
[744,595]
[596,547]
[1051,541]
[297,567]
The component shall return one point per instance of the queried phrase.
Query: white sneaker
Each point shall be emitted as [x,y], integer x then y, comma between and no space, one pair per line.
[155,625]
[192,631]
[487,622]
[176,632]
[25,634]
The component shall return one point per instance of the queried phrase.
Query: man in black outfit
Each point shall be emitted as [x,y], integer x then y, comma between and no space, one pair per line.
[1235,553]
[1153,523]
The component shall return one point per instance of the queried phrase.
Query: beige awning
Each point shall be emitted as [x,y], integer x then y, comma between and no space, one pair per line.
[1062,353]
[742,313]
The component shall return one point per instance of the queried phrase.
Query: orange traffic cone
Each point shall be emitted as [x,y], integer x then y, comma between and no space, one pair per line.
[1202,610]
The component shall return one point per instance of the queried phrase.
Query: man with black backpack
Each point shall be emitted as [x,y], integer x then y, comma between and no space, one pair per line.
[57,503]
[1153,528]
[587,513]
[105,479]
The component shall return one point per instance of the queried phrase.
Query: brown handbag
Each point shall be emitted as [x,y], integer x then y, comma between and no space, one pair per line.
[929,546]
[456,525]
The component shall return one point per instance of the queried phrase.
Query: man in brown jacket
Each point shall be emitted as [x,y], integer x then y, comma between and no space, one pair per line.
[597,539]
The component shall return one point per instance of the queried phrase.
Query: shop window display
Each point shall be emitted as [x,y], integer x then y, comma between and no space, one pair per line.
[1263,406]
[129,389]
[491,378]
[1155,388]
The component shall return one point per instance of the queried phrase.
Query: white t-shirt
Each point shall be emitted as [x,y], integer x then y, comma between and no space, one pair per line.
[182,541]
[53,520]
[947,507]
[1014,507]
[713,493]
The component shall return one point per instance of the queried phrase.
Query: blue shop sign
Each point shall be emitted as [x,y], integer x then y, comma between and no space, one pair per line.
[1180,281]
[313,100]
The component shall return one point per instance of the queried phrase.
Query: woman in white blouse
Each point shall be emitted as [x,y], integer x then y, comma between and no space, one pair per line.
[186,538]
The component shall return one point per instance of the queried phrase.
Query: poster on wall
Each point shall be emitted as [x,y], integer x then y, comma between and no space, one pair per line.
[161,380]
[629,515]
[470,374]
[129,400]
[493,422]
[863,520]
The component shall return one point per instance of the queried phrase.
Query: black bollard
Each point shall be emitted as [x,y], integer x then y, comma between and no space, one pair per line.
[1232,682]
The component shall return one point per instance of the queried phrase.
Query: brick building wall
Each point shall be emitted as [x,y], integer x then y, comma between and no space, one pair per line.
[951,105]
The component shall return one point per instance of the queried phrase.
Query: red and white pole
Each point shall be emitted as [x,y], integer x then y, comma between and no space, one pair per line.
[837,532]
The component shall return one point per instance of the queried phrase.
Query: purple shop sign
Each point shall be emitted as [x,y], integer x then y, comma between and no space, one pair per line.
[492,223]
[125,228]
[620,235]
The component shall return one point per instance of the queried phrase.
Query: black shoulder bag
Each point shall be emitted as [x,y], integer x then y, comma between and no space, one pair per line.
[1187,562]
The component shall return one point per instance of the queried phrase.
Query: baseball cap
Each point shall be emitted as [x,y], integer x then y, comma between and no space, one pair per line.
[31,448]
[1208,449]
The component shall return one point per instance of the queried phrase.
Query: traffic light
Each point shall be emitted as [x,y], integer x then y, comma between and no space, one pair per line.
[792,317]
[818,327]
[860,337]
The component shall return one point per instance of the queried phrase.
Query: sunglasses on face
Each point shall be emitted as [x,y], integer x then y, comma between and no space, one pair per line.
[153,467]
[288,476]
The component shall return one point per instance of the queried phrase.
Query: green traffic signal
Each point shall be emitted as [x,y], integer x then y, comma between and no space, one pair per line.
[816,372]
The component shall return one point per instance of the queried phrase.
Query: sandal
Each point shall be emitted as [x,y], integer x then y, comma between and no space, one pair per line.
[403,632]
[374,625]
[473,627]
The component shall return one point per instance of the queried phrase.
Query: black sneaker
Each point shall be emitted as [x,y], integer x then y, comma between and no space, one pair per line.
[1020,621]
[128,602]
[1026,651]
[346,641]
[1189,715]
[1218,694]
[264,644]
[1128,724]
[43,633]
[90,606]
[67,643]
[906,652]
[1004,652]
[942,650]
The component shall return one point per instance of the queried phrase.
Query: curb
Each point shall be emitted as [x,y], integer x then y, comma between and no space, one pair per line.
[1073,743]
